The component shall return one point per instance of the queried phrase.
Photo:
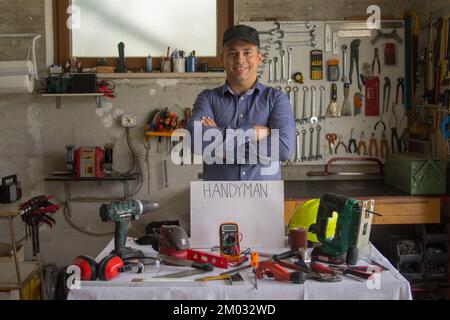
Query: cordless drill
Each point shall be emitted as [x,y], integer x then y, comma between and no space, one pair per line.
[121,212]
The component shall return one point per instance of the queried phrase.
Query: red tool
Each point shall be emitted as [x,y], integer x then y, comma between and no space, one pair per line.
[279,273]
[340,270]
[372,97]
[215,260]
[37,211]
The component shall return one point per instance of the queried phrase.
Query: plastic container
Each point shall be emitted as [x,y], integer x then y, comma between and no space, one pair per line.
[191,64]
[149,64]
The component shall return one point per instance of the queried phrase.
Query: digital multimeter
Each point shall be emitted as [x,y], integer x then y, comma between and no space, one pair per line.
[229,241]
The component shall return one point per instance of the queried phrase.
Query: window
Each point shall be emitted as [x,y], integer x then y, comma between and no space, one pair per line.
[145,26]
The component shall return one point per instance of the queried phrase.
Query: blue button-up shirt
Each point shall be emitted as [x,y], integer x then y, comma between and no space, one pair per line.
[260,106]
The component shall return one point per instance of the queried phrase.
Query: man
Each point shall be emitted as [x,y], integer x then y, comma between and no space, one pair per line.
[243,103]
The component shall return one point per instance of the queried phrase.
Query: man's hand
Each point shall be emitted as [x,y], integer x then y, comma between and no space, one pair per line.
[262,132]
[208,122]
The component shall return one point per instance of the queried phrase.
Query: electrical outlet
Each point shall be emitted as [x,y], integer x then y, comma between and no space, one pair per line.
[129,121]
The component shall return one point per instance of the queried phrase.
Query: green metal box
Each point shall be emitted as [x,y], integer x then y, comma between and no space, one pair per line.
[416,174]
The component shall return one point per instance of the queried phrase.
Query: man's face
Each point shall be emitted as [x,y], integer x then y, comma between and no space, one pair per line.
[241,60]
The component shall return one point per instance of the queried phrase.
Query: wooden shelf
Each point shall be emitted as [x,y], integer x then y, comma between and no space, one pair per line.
[158,75]
[163,134]
[8,275]
[72,94]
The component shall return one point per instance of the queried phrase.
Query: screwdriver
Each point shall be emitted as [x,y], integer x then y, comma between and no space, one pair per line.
[254,263]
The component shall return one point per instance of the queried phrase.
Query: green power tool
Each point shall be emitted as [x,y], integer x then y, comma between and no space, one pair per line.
[121,212]
[352,228]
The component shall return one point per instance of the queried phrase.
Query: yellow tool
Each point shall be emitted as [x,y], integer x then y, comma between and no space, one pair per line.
[214,278]
[254,263]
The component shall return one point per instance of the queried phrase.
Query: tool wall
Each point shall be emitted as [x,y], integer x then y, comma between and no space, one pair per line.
[361,123]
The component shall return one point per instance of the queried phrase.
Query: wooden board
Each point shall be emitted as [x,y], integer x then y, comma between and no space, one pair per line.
[395,210]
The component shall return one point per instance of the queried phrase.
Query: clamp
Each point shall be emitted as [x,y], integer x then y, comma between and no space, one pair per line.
[340,143]
[386,94]
[362,146]
[352,143]
[354,59]
[373,147]
[376,59]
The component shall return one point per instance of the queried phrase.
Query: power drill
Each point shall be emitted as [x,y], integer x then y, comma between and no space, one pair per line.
[121,212]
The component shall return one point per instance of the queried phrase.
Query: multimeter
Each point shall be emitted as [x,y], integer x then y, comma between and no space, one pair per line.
[229,241]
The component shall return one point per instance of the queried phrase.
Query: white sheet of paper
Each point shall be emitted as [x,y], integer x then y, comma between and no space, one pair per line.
[257,207]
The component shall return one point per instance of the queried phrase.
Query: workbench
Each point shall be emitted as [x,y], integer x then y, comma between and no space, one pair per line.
[392,286]
[396,206]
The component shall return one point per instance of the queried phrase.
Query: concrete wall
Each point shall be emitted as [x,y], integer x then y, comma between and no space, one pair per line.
[34,133]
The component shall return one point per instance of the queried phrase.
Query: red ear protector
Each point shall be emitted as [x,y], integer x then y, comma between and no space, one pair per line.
[109,268]
[88,267]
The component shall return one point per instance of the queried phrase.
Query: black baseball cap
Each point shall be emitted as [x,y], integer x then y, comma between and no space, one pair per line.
[241,32]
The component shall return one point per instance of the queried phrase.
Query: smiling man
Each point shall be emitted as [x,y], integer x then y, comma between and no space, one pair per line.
[245,105]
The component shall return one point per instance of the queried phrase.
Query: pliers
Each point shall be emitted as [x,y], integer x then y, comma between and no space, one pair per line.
[400,86]
[373,147]
[340,143]
[362,146]
[376,59]
[395,141]
[384,147]
[352,143]
[354,59]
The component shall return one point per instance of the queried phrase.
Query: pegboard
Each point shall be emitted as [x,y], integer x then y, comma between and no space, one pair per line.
[301,63]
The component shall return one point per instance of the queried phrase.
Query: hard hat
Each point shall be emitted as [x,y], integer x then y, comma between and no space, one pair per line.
[305,217]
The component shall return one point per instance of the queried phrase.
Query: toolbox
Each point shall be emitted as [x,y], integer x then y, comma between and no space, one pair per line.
[416,174]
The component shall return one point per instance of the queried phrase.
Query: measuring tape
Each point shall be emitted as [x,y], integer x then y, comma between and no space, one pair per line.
[143,283]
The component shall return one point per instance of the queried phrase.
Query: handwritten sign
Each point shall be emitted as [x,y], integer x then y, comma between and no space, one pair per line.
[257,207]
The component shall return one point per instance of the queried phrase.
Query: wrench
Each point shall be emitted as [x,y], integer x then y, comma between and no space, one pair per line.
[307,43]
[290,51]
[270,71]
[311,145]
[304,119]
[268,40]
[318,155]
[308,25]
[313,118]
[270,32]
[288,90]
[275,76]
[344,64]
[296,93]
[303,158]
[322,92]
[298,158]
[283,66]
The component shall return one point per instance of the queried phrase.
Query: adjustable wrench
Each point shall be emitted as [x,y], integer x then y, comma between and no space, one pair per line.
[311,145]
[275,76]
[289,77]
[318,155]
[304,119]
[283,66]
[322,92]
[344,64]
[303,158]
[270,71]
[313,118]
[296,93]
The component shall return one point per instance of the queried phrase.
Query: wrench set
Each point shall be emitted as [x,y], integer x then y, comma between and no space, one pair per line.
[287,46]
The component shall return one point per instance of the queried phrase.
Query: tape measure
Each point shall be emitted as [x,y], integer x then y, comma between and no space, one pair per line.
[144,283]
